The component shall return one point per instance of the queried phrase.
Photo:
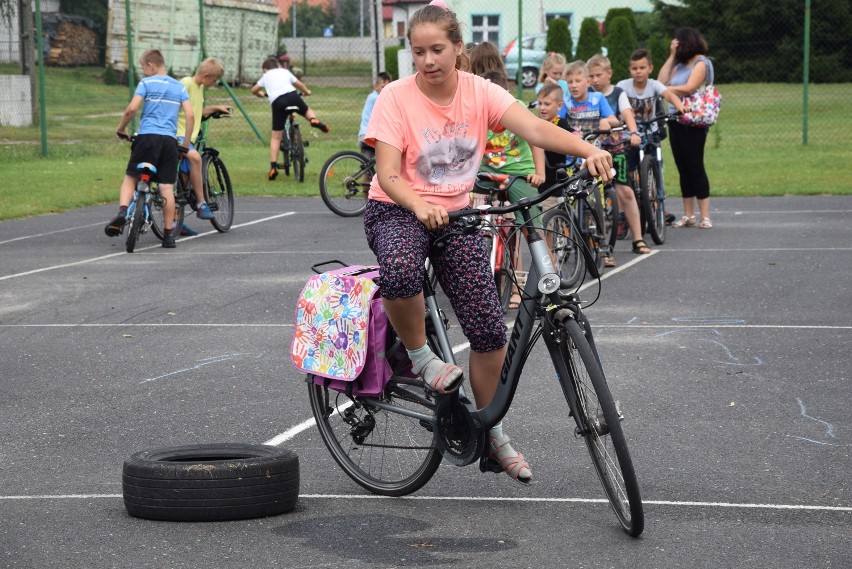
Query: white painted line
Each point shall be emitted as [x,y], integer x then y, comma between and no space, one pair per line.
[676,503]
[291,432]
[102,257]
[50,233]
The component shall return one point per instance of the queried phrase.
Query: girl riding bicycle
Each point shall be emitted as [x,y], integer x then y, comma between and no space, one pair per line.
[429,131]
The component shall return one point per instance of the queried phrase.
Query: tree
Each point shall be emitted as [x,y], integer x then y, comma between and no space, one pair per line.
[614,13]
[559,38]
[590,42]
[310,21]
[761,41]
[621,41]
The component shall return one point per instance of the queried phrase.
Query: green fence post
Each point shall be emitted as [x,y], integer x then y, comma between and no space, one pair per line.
[242,110]
[42,104]
[806,71]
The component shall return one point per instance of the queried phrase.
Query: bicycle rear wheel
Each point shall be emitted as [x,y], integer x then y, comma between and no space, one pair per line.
[344,182]
[297,154]
[652,207]
[564,249]
[218,192]
[610,218]
[137,220]
[581,373]
[391,453]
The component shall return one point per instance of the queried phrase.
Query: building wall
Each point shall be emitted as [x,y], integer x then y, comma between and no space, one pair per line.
[10,36]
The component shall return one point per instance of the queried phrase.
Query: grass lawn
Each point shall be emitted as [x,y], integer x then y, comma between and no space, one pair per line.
[755,149]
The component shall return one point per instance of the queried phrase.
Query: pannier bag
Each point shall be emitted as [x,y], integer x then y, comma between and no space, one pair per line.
[340,331]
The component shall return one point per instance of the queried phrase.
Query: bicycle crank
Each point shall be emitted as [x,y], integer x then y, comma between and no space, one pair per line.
[460,436]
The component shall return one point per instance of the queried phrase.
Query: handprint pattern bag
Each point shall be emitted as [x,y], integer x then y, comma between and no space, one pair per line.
[340,331]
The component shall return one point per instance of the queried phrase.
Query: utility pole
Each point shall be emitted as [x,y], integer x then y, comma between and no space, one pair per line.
[26,26]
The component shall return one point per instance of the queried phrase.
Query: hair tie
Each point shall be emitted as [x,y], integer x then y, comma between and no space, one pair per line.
[439,4]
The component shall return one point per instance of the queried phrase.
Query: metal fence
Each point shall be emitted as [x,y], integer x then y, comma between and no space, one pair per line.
[243,34]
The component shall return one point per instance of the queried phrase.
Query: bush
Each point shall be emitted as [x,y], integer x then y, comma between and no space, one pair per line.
[559,38]
[589,43]
[614,13]
[621,41]
[109,77]
[391,61]
[659,48]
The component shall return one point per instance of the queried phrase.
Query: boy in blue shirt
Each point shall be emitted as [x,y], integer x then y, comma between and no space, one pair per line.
[382,79]
[584,110]
[155,141]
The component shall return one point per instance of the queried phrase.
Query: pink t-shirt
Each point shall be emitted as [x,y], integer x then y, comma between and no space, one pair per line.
[441,147]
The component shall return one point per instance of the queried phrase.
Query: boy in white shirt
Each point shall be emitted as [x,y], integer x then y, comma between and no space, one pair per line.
[282,88]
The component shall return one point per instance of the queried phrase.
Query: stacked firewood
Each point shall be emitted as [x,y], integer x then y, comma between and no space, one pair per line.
[70,40]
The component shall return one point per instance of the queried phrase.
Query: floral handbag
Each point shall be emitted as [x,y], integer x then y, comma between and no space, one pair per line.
[701,108]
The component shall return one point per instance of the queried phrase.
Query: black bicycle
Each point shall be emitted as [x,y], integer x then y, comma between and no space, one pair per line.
[292,149]
[218,192]
[651,191]
[393,444]
[344,182]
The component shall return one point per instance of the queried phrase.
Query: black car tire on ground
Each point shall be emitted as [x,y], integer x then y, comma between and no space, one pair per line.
[211,482]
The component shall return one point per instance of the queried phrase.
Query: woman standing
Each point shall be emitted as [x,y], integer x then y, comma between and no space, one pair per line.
[687,69]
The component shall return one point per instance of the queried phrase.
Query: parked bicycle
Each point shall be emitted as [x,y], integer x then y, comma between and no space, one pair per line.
[292,149]
[218,192]
[582,223]
[651,191]
[393,444]
[500,235]
[344,182]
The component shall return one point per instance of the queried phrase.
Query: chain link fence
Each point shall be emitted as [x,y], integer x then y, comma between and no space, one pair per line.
[758,53]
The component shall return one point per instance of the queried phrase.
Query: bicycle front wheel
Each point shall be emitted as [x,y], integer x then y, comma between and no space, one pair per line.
[387,452]
[297,154]
[218,192]
[601,421]
[137,220]
[652,206]
[610,219]
[564,248]
[344,182]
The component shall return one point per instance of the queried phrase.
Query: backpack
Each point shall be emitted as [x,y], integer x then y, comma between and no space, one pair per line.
[340,331]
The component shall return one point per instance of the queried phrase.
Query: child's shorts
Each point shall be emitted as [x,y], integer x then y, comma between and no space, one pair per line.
[279,108]
[158,149]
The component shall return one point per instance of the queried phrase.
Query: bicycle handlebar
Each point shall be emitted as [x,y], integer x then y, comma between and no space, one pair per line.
[218,115]
[571,186]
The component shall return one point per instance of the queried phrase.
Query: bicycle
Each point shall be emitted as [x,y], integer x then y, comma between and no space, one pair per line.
[344,182]
[500,235]
[218,192]
[394,443]
[292,147]
[580,223]
[146,207]
[651,191]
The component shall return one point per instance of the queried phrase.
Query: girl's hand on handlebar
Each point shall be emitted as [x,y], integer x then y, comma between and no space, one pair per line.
[432,216]
[599,164]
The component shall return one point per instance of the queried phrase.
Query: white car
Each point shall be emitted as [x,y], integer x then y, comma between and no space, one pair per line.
[532,56]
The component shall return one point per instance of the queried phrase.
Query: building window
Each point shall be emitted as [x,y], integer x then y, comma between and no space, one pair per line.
[485,27]
[565,16]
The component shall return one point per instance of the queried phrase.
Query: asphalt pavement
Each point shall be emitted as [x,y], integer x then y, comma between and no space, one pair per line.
[728,349]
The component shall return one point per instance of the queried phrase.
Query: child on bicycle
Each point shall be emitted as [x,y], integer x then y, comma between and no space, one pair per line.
[283,90]
[155,141]
[208,74]
[382,79]
[600,74]
[552,70]
[429,130]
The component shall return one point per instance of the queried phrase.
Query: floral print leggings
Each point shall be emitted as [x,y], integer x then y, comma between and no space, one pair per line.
[401,244]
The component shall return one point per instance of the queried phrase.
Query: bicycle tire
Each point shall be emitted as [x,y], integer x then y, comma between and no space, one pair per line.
[387,453]
[137,220]
[610,220]
[344,182]
[285,153]
[218,192]
[592,230]
[503,269]
[564,249]
[581,373]
[653,209]
[297,153]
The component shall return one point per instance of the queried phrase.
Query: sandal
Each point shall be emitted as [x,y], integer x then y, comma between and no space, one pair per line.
[685,222]
[609,260]
[640,247]
[511,461]
[515,301]
[705,223]
[441,377]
